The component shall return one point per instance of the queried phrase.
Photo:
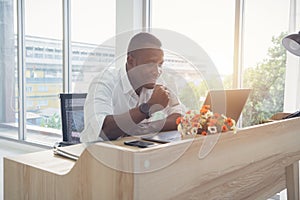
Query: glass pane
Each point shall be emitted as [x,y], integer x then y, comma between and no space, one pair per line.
[266,22]
[8,70]
[89,55]
[43,61]
[210,24]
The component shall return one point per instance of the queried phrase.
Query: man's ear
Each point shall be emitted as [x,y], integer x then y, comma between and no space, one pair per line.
[130,61]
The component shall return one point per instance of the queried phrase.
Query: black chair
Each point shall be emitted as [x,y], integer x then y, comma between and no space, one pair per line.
[72,117]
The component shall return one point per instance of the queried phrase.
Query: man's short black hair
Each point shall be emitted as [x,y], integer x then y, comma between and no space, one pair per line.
[143,40]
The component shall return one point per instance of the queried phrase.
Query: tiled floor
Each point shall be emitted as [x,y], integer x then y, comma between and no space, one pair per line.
[10,148]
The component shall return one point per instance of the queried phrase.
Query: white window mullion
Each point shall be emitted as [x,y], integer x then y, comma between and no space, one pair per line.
[238,44]
[146,15]
[21,68]
[67,49]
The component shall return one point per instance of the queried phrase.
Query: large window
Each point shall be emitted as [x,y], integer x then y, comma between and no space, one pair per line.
[93,23]
[264,58]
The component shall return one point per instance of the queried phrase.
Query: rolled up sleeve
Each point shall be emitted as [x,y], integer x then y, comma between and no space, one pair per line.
[97,106]
[180,109]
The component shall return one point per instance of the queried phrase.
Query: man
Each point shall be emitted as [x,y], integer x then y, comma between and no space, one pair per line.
[122,102]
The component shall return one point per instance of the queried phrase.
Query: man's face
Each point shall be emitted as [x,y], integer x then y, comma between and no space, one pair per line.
[145,66]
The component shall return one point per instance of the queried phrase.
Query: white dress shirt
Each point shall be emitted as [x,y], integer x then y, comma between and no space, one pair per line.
[111,93]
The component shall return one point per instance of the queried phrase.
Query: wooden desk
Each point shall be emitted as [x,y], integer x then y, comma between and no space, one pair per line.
[255,163]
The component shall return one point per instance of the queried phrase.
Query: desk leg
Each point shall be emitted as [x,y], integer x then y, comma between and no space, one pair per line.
[292,181]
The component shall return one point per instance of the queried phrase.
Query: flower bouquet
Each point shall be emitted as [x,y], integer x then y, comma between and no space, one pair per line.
[204,122]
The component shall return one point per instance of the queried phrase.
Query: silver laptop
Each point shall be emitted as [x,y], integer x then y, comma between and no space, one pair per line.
[228,102]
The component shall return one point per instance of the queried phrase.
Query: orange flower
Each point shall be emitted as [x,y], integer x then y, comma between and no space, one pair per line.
[204,133]
[207,106]
[229,121]
[204,109]
[224,128]
[178,120]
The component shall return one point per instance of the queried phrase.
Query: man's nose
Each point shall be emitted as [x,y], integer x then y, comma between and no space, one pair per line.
[156,72]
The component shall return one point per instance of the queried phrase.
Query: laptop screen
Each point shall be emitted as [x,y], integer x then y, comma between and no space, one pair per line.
[227,102]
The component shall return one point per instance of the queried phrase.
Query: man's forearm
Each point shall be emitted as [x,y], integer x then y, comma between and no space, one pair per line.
[115,126]
[170,123]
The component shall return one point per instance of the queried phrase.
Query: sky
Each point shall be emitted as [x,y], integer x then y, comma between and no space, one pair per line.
[209,23]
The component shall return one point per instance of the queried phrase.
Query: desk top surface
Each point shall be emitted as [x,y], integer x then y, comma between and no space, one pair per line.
[46,160]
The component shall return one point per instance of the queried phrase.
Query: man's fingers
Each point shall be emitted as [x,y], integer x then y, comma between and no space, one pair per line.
[161,86]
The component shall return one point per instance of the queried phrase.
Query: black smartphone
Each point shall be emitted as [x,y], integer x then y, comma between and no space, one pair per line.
[139,143]
[295,114]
